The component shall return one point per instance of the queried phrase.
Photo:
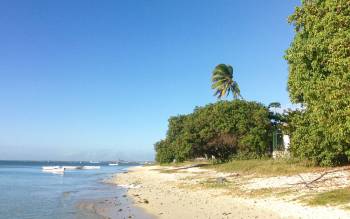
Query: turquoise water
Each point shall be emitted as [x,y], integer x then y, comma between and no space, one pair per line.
[27,192]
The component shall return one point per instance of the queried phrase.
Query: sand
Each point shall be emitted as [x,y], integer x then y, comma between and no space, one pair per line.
[177,194]
[118,207]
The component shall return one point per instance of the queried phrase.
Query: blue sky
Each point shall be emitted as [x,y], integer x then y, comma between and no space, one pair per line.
[97,80]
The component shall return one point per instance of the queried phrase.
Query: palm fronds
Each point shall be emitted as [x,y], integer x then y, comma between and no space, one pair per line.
[223,83]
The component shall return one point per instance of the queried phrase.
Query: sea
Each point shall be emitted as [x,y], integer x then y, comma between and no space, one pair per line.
[26,192]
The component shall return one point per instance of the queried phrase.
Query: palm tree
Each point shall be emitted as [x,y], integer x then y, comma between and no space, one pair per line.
[223,83]
[274,105]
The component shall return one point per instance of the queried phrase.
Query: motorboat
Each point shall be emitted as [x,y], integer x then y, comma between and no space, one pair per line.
[91,167]
[53,169]
[50,167]
[72,167]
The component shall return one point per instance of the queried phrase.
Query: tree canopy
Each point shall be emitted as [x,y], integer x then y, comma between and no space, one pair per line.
[223,129]
[319,79]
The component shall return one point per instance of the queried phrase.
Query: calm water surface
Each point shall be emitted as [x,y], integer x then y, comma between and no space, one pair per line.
[27,192]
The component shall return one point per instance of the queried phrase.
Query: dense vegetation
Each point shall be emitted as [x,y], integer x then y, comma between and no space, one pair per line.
[319,79]
[223,129]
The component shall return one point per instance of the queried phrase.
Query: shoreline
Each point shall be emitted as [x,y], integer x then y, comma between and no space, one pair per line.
[110,208]
[116,205]
[170,194]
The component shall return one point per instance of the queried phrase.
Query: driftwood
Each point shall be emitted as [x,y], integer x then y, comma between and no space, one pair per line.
[308,184]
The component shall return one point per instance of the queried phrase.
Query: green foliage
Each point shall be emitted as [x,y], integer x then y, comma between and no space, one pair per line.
[319,79]
[290,119]
[164,154]
[333,197]
[223,83]
[265,167]
[221,130]
[249,156]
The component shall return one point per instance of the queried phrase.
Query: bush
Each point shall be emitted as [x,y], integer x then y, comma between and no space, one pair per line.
[221,130]
[164,154]
[309,141]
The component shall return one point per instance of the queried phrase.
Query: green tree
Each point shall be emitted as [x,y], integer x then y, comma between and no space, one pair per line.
[319,79]
[223,83]
[223,130]
[165,154]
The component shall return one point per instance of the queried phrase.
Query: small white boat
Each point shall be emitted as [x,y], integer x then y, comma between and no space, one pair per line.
[50,167]
[72,167]
[53,169]
[113,164]
[91,167]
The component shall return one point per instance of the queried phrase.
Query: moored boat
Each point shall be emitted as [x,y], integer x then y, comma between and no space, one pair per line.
[72,167]
[50,167]
[53,169]
[91,167]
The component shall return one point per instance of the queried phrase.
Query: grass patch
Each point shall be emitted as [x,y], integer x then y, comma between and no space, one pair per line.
[168,171]
[213,184]
[266,167]
[265,192]
[183,164]
[347,208]
[334,197]
[259,193]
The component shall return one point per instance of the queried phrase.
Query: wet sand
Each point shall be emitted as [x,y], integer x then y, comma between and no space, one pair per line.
[118,207]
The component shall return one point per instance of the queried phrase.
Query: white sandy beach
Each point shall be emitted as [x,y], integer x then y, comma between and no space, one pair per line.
[169,193]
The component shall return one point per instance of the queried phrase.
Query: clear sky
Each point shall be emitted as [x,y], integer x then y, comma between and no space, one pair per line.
[97,80]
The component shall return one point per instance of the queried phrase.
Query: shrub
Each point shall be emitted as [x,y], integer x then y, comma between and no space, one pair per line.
[221,130]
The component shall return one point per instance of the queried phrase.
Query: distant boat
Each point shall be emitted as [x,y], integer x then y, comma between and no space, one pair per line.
[113,164]
[72,167]
[50,167]
[53,169]
[60,170]
[94,162]
[91,167]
